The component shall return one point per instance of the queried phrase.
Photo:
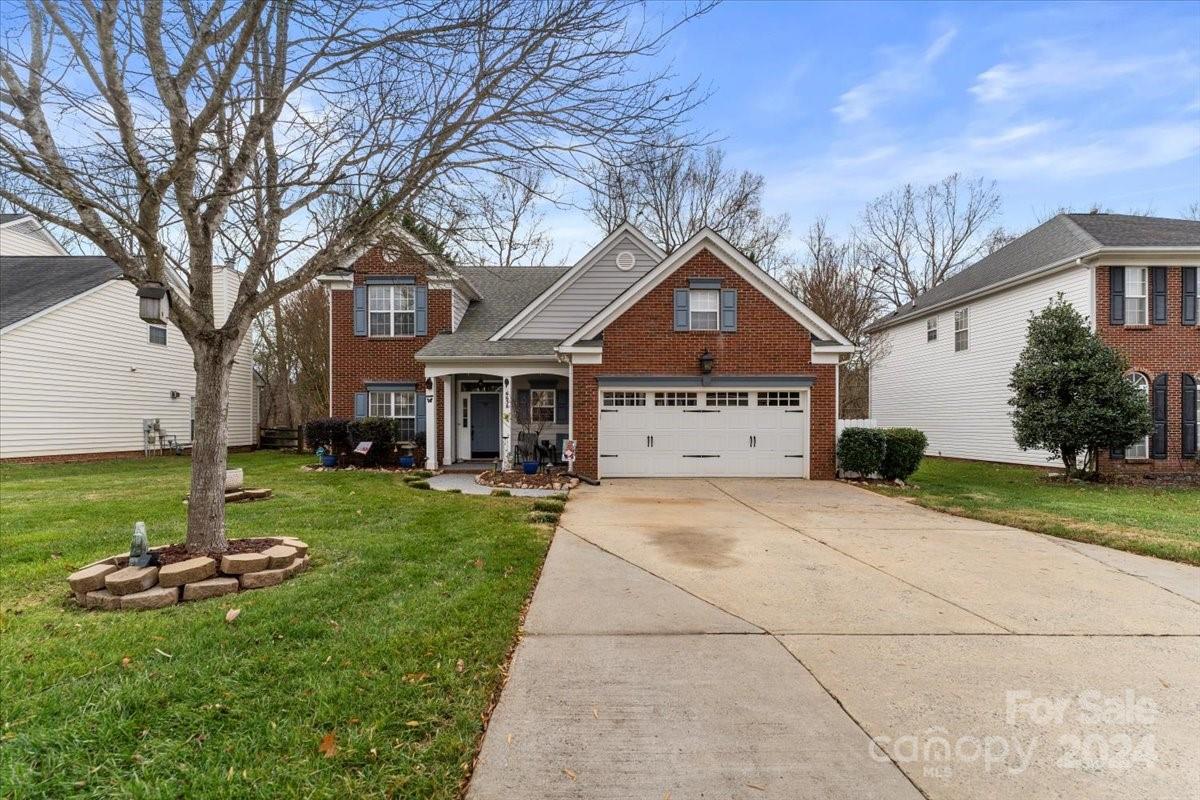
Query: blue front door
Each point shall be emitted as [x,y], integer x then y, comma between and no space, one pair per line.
[485,425]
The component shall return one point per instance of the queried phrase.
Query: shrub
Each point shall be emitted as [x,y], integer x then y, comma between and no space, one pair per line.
[332,433]
[501,493]
[452,491]
[861,450]
[419,484]
[543,517]
[903,453]
[380,432]
[547,504]
[561,496]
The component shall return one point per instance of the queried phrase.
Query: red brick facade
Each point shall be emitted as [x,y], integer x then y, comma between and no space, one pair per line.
[768,341]
[1173,348]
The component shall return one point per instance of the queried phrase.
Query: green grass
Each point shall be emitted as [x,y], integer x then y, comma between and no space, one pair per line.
[1161,522]
[365,646]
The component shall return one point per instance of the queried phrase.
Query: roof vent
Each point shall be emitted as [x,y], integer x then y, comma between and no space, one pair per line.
[626,260]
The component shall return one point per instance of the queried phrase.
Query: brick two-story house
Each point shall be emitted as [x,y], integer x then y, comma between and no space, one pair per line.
[692,363]
[946,357]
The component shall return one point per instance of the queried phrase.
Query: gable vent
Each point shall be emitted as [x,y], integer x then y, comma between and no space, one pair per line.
[626,260]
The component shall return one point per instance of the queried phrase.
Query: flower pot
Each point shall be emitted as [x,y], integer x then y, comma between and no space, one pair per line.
[234,479]
[407,461]
[529,467]
[329,461]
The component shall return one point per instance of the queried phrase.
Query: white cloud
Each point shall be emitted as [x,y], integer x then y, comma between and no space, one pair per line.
[1060,67]
[906,72]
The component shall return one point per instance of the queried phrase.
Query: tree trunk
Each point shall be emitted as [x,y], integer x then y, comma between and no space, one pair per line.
[283,380]
[1069,458]
[206,502]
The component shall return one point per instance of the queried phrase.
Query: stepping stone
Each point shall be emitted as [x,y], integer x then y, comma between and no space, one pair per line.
[190,571]
[103,599]
[241,563]
[257,494]
[212,587]
[131,579]
[267,577]
[280,556]
[297,566]
[158,597]
[90,578]
[291,541]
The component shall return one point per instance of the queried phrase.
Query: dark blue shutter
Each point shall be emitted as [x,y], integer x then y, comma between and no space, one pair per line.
[422,321]
[560,402]
[1188,417]
[362,404]
[1116,295]
[419,422]
[1158,292]
[360,311]
[728,310]
[523,413]
[1158,408]
[681,309]
[1189,295]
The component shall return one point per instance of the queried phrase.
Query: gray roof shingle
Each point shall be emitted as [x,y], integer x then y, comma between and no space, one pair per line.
[7,218]
[1057,239]
[505,291]
[29,284]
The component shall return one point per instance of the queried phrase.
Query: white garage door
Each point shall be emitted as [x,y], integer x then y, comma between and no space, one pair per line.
[704,432]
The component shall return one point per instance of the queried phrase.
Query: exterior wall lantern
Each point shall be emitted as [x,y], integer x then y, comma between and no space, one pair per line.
[154,303]
[706,360]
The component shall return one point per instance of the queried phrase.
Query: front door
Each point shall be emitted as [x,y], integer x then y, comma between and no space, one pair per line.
[485,425]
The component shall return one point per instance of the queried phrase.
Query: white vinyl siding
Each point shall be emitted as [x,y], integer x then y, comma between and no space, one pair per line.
[26,239]
[458,308]
[593,289]
[81,378]
[960,400]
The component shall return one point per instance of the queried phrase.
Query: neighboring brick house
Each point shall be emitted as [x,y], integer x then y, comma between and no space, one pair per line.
[693,363]
[946,357]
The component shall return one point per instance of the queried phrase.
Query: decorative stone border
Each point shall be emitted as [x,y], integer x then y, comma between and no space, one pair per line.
[516,479]
[110,584]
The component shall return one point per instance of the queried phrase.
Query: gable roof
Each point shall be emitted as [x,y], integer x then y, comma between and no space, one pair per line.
[1059,239]
[735,260]
[29,225]
[575,272]
[30,284]
[504,292]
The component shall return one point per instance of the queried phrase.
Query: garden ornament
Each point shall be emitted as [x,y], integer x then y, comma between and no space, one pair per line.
[139,549]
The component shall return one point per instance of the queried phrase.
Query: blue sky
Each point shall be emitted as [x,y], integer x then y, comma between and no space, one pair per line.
[1061,104]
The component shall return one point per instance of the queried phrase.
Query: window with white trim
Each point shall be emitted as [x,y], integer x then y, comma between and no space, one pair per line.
[542,405]
[158,334]
[960,330]
[1139,449]
[704,309]
[780,398]
[931,329]
[400,406]
[674,399]
[1137,284]
[727,399]
[392,310]
[624,399]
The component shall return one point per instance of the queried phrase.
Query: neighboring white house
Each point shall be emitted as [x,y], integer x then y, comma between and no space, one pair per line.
[80,372]
[946,358]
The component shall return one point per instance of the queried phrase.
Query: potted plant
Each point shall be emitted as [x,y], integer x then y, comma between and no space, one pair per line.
[529,437]
[329,435]
[406,459]
[326,458]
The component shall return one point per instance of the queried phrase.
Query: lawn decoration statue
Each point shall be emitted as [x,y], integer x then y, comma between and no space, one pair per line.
[139,548]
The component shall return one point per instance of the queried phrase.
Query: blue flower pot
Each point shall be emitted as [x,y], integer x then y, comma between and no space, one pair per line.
[407,461]
[328,461]
[530,467]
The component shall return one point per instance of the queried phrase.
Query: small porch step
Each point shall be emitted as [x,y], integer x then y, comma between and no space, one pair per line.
[473,466]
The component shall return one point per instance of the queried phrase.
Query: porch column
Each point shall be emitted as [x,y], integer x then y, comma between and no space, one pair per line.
[448,418]
[431,460]
[506,422]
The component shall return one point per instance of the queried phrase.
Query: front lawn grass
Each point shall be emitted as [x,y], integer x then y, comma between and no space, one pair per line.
[389,648]
[1161,522]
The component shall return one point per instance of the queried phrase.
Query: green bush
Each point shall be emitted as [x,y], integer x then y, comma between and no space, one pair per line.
[861,450]
[332,433]
[903,453]
[419,484]
[501,493]
[549,504]
[543,517]
[380,432]
[560,496]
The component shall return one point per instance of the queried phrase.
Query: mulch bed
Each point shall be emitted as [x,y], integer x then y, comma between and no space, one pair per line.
[556,478]
[174,553]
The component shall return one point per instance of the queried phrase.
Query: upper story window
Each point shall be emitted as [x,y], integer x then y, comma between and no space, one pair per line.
[400,406]
[158,334]
[1137,286]
[392,310]
[931,329]
[705,305]
[960,330]
[1141,448]
[541,405]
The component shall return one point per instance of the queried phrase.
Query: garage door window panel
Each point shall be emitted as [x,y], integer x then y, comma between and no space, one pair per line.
[781,399]
[624,399]
[674,399]
[727,399]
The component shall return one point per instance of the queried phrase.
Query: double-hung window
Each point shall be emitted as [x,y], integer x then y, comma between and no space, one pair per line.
[158,334]
[1140,448]
[1137,283]
[960,330]
[542,404]
[931,329]
[392,310]
[705,309]
[400,406]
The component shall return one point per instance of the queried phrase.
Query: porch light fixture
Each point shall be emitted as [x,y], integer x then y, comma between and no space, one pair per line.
[154,303]
[706,360]
[428,384]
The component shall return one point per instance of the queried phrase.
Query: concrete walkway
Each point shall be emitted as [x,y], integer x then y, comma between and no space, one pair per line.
[787,639]
[465,483]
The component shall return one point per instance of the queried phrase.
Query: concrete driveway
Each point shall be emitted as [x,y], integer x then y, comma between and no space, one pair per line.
[791,639]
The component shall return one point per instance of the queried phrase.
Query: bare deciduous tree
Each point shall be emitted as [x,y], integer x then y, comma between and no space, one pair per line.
[291,352]
[671,191]
[173,135]
[916,238]
[504,222]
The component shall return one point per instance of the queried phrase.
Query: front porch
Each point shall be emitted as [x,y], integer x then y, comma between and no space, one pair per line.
[481,413]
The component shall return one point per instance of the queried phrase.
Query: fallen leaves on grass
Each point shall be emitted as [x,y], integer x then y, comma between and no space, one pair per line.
[328,746]
[232,614]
